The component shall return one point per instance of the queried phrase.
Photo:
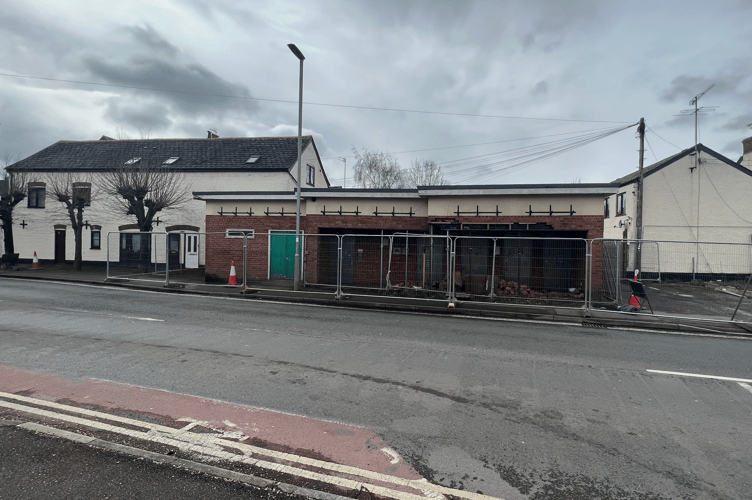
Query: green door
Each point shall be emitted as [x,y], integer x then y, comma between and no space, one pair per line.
[282,255]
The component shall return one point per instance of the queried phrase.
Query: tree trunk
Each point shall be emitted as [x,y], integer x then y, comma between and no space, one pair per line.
[7,220]
[78,233]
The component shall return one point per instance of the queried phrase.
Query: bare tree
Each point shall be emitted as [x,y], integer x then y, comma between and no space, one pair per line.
[74,191]
[424,173]
[377,170]
[141,189]
[13,190]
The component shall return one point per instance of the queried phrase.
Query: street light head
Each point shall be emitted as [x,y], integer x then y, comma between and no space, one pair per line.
[295,50]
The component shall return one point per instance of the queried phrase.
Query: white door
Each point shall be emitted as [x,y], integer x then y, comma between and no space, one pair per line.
[191,251]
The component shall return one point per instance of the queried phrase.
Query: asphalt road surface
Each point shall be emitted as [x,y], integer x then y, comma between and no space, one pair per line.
[34,466]
[510,409]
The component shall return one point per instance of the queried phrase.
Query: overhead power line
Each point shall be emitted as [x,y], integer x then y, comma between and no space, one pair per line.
[372,108]
[661,138]
[393,153]
[506,162]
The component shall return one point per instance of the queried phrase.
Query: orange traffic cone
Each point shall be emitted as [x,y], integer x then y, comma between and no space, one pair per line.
[35,262]
[232,281]
[635,301]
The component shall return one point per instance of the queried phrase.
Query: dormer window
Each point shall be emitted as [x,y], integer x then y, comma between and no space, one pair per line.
[133,161]
[171,160]
[252,159]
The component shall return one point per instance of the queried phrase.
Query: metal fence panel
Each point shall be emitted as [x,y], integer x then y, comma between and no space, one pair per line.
[684,279]
[541,271]
[175,258]
[136,255]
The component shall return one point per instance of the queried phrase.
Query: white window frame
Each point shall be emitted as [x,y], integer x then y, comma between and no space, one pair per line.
[311,175]
[240,233]
[621,204]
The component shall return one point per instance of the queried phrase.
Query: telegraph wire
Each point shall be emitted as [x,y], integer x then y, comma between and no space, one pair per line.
[664,140]
[651,149]
[525,158]
[348,106]
[474,145]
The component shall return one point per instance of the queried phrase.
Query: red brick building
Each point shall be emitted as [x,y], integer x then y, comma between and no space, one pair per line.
[489,224]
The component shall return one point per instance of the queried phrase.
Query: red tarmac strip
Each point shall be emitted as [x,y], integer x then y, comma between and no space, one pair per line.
[339,443]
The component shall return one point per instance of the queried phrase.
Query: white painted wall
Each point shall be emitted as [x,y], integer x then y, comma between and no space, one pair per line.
[517,205]
[39,234]
[707,201]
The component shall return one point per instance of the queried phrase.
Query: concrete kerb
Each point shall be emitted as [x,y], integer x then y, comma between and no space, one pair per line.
[182,463]
[562,315]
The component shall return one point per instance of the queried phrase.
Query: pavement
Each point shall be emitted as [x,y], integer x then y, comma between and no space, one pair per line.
[710,311]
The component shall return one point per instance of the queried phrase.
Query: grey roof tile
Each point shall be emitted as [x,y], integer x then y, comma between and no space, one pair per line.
[213,155]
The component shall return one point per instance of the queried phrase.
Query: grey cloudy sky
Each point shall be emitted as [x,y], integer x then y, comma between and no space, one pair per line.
[565,69]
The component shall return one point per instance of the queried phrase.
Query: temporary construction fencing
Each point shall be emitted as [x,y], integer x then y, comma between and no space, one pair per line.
[177,257]
[680,278]
[536,270]
[715,274]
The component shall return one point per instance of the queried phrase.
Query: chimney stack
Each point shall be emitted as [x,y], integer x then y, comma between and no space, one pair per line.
[747,143]
[211,134]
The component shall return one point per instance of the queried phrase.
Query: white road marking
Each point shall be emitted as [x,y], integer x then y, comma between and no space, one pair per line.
[214,447]
[697,375]
[746,386]
[393,456]
[142,319]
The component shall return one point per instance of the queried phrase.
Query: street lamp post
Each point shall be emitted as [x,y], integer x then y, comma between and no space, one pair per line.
[344,178]
[296,276]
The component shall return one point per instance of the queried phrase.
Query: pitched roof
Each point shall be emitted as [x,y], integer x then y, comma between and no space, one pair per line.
[194,155]
[655,167]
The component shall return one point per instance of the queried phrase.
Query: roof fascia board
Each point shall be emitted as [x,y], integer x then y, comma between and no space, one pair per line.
[323,170]
[601,190]
[632,178]
[243,196]
[346,193]
[728,161]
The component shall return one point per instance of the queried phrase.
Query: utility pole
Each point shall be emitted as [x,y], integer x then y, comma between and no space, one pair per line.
[640,189]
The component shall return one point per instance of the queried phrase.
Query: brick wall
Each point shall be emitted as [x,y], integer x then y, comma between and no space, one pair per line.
[366,270]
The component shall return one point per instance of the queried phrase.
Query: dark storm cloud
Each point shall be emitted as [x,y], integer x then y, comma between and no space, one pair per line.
[150,38]
[546,25]
[730,91]
[728,81]
[417,13]
[540,89]
[144,117]
[740,123]
[190,88]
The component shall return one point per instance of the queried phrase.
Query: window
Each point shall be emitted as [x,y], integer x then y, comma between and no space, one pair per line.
[171,160]
[239,233]
[37,193]
[606,214]
[133,161]
[311,174]
[82,193]
[252,159]
[96,239]
[621,208]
